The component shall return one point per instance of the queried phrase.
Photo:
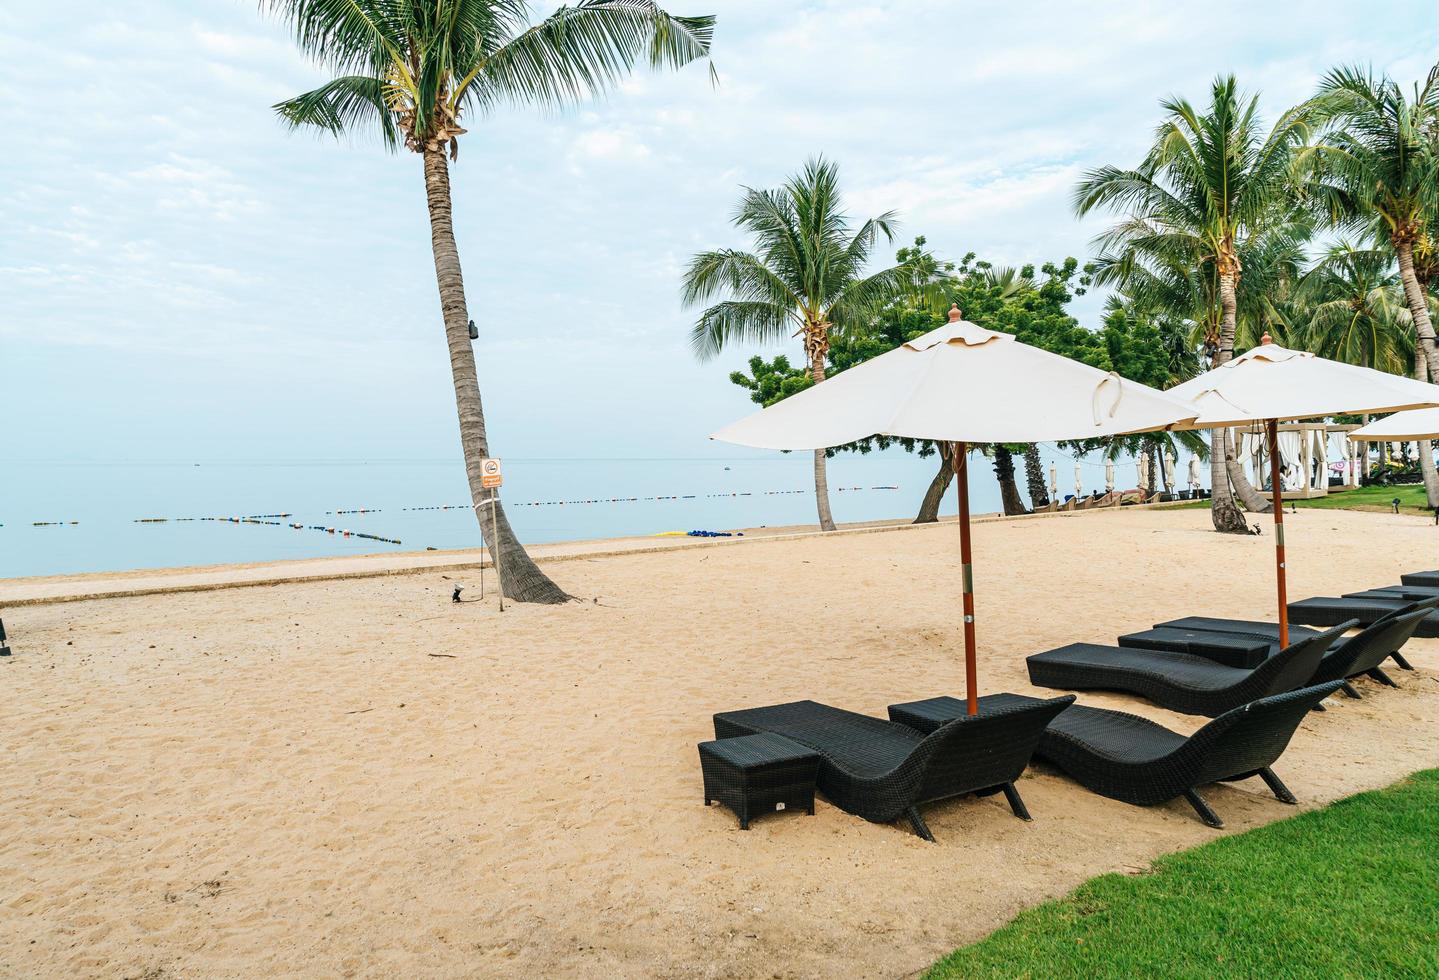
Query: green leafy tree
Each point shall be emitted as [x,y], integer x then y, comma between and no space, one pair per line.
[416,72]
[1212,181]
[807,276]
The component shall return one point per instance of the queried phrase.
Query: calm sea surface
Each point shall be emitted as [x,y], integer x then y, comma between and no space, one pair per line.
[547,500]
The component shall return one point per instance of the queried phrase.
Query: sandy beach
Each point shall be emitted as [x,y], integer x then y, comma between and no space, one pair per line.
[359,778]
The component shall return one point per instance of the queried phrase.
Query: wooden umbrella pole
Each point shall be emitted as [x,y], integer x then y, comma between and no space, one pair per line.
[961,481]
[1277,493]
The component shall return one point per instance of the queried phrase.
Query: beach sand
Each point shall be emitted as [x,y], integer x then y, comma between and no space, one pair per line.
[360,778]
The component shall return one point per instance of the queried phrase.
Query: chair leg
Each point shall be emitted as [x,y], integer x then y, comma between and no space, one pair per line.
[1383,678]
[917,822]
[1280,791]
[1205,811]
[1319,707]
[1350,690]
[1399,659]
[1016,803]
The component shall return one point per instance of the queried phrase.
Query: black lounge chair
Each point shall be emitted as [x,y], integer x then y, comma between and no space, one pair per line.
[1270,631]
[1135,760]
[1420,578]
[1365,651]
[1180,681]
[882,771]
[1329,610]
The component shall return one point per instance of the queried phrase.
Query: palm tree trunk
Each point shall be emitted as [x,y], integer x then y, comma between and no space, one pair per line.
[1252,500]
[1222,509]
[1034,477]
[1152,455]
[934,496]
[1418,307]
[1426,446]
[821,474]
[519,577]
[1008,489]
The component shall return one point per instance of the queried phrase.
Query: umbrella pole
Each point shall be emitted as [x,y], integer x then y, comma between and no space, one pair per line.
[971,672]
[1277,492]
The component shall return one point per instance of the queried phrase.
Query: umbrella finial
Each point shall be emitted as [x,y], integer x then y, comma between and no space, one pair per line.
[1266,339]
[954,313]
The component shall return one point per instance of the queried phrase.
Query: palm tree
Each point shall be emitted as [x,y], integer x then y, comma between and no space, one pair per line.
[1211,182]
[1350,309]
[805,278]
[416,70]
[1377,167]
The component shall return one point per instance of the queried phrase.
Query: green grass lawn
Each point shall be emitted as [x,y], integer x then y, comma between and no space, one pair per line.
[1351,890]
[1411,500]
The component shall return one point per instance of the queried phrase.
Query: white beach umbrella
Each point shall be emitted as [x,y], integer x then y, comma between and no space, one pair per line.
[1269,384]
[1141,465]
[961,384]
[1078,479]
[1053,483]
[1168,471]
[1109,476]
[1421,423]
[1194,473]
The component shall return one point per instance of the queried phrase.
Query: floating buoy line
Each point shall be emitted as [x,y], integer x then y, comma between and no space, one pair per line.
[279,520]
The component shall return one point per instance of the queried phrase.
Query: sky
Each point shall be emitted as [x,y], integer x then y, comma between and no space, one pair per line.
[181,277]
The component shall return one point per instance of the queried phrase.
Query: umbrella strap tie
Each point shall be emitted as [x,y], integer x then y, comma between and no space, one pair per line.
[1114,406]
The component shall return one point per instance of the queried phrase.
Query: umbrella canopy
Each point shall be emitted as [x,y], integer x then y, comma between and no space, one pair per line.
[1109,476]
[1421,423]
[961,384]
[1270,384]
[1078,479]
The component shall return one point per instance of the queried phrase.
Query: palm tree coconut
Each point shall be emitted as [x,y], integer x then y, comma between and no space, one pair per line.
[1211,181]
[805,278]
[416,71]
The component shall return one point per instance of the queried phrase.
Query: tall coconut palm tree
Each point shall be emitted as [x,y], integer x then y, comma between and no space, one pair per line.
[1377,167]
[417,72]
[1350,309]
[806,278]
[1211,181]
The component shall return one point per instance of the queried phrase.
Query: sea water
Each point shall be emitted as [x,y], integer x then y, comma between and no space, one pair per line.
[90,511]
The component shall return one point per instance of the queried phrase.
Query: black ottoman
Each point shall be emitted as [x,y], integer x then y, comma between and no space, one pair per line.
[755,774]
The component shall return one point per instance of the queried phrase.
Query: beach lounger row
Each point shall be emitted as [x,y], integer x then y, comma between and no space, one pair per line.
[1229,670]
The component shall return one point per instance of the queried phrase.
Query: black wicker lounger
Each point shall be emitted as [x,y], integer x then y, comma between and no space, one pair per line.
[1363,652]
[1329,610]
[1129,758]
[882,771]
[1270,631]
[1420,578]
[1179,681]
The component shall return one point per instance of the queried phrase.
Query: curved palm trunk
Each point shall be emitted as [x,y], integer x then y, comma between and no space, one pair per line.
[519,577]
[1253,501]
[821,473]
[1008,489]
[1222,509]
[1426,446]
[1418,307]
[934,496]
[1426,356]
[1034,477]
